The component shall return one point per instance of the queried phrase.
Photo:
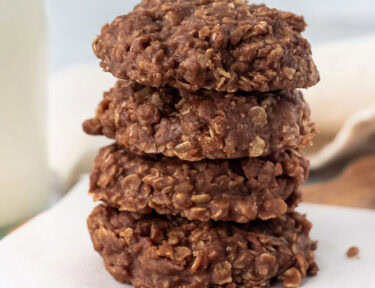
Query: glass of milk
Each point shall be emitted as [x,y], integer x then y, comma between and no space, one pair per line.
[24,173]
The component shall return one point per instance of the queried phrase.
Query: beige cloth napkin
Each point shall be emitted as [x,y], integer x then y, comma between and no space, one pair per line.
[343,103]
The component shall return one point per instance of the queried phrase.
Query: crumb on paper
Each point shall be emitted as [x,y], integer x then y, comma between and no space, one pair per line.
[352,252]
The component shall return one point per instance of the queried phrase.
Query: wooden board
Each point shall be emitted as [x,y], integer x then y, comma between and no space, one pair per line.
[355,187]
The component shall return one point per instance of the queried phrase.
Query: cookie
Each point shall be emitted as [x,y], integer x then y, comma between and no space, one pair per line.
[239,190]
[202,124]
[171,252]
[224,45]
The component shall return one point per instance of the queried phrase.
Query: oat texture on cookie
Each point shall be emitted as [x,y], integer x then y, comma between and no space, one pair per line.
[200,188]
[224,45]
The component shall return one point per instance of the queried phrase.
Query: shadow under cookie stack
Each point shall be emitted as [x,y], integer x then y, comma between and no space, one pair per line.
[200,188]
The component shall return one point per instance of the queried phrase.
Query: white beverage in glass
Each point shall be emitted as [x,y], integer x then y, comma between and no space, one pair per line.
[24,175]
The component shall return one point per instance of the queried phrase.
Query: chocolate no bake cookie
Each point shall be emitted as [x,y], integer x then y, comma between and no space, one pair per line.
[202,124]
[225,45]
[171,252]
[239,190]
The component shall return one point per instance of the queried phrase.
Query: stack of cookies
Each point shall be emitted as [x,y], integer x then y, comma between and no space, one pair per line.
[200,188]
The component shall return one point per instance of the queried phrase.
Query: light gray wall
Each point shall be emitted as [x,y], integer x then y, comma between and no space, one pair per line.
[74,23]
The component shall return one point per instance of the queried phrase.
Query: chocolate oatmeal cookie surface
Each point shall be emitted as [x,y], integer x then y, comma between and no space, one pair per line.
[238,190]
[225,45]
[171,252]
[193,125]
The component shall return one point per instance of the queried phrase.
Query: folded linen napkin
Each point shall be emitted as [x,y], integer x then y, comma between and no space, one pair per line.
[343,103]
